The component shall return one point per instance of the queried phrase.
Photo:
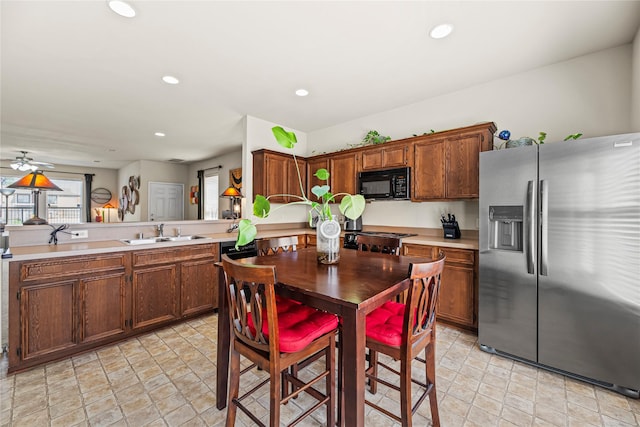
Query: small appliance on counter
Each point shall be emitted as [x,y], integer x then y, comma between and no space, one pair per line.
[450,227]
[353,224]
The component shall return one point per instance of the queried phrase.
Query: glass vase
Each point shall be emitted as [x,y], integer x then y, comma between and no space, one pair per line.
[328,241]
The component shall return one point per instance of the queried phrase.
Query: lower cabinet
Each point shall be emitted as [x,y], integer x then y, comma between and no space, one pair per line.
[458,299]
[62,306]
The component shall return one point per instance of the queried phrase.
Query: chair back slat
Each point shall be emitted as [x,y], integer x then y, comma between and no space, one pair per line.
[422,299]
[250,292]
[386,245]
[277,245]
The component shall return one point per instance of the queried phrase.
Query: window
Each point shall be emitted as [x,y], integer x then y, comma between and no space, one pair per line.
[61,206]
[211,197]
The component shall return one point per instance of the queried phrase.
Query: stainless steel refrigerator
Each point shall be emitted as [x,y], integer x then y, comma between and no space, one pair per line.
[560,257]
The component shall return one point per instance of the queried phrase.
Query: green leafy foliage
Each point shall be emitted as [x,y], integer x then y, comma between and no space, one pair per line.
[573,136]
[351,206]
[374,137]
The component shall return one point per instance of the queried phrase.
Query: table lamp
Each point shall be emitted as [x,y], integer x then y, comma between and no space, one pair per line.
[35,181]
[6,192]
[234,196]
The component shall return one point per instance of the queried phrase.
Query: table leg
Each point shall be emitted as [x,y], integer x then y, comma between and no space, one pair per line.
[224,339]
[353,363]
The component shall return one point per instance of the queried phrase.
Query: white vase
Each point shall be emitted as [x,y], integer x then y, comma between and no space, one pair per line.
[328,241]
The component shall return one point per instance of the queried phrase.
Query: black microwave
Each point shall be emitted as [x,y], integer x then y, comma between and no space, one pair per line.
[390,184]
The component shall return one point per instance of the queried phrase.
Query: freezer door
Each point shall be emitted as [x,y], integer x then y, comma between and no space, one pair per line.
[507,317]
[589,291]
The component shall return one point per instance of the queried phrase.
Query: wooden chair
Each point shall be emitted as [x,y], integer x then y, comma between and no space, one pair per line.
[386,245]
[277,245]
[275,338]
[402,331]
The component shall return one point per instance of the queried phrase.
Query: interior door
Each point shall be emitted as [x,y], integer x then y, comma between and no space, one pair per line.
[166,201]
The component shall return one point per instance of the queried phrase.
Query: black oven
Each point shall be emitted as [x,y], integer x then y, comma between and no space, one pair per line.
[389,184]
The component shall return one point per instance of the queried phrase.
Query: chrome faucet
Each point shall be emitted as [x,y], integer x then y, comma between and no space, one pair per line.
[160,230]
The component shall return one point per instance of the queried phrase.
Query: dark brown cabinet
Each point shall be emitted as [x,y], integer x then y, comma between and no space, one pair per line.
[173,282]
[62,306]
[390,155]
[275,174]
[343,170]
[103,310]
[458,300]
[447,164]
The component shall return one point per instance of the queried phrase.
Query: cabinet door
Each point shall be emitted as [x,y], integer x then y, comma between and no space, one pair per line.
[48,314]
[428,170]
[102,306]
[312,166]
[385,157]
[458,291]
[293,180]
[463,166]
[155,295]
[276,177]
[344,174]
[198,286]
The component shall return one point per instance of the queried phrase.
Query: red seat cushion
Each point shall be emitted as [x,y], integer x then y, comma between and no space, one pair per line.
[299,324]
[384,324]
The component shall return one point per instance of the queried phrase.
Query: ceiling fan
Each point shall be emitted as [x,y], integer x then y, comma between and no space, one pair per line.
[24,163]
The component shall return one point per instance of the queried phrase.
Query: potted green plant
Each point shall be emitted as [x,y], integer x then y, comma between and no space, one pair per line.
[327,228]
[505,135]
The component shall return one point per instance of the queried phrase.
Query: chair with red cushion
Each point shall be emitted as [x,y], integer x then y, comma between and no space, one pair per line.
[275,337]
[402,331]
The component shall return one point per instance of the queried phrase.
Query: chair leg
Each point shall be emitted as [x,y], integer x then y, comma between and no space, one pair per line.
[373,368]
[430,357]
[275,387]
[330,365]
[405,393]
[234,386]
[340,380]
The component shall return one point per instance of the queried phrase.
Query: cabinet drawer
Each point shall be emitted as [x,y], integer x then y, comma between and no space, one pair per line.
[418,250]
[459,256]
[173,254]
[56,268]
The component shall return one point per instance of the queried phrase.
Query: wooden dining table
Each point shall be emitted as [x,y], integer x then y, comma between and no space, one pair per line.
[358,284]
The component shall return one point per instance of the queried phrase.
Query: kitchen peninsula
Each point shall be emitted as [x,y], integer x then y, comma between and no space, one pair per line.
[72,297]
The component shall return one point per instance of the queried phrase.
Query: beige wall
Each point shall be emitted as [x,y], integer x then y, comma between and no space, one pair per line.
[589,94]
[229,161]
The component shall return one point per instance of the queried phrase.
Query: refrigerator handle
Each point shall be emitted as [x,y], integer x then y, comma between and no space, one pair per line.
[544,229]
[529,228]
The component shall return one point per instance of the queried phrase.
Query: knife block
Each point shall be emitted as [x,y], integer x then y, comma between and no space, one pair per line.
[451,230]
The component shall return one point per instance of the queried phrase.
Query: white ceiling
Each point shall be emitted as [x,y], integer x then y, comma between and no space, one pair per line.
[81,84]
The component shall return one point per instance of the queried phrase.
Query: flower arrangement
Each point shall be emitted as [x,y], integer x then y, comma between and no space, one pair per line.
[351,205]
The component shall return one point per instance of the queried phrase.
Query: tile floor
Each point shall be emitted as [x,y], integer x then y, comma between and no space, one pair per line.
[167,378]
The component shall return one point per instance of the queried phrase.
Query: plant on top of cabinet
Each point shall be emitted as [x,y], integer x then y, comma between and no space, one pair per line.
[351,205]
[505,135]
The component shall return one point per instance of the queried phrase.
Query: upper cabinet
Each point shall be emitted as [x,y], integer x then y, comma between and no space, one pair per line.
[343,173]
[276,174]
[386,156]
[447,164]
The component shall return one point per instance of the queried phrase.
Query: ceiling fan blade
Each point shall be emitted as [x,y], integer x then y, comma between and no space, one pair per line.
[43,164]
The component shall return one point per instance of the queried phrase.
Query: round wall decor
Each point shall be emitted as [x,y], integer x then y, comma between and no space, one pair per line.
[100,195]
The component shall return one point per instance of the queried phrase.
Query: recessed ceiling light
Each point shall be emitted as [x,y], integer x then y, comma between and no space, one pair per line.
[159,134]
[441,31]
[302,92]
[122,8]
[170,80]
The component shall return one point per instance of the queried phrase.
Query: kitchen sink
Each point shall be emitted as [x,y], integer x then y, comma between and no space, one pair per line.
[182,238]
[150,240]
[144,241]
